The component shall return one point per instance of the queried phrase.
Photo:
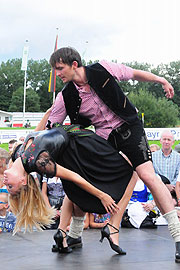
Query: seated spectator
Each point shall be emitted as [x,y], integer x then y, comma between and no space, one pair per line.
[11,144]
[154,147]
[166,161]
[4,159]
[97,221]
[7,219]
[53,194]
[22,138]
[139,210]
[3,188]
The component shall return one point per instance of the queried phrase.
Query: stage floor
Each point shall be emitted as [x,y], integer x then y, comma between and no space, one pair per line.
[146,249]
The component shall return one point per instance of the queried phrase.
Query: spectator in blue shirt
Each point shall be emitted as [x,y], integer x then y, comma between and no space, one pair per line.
[7,219]
[166,161]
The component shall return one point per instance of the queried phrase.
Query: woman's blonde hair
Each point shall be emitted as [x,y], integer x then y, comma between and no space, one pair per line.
[30,209]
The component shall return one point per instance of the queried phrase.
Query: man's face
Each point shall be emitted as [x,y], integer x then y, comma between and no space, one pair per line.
[167,141]
[65,72]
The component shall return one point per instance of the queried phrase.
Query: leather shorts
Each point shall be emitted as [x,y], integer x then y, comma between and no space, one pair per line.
[131,140]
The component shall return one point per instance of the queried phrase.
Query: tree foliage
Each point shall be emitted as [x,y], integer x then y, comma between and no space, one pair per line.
[12,80]
[158,112]
[32,103]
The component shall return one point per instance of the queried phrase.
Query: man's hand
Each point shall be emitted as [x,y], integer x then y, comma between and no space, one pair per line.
[168,89]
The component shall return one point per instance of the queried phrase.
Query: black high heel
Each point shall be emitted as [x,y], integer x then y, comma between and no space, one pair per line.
[106,233]
[58,238]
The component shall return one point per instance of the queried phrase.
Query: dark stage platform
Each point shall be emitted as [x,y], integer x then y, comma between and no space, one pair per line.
[146,249]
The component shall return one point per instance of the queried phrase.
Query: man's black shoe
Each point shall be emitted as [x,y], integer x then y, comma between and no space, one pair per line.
[74,242]
[177,255]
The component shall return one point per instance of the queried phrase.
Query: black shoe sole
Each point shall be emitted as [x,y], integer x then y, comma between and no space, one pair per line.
[177,260]
[79,245]
[55,248]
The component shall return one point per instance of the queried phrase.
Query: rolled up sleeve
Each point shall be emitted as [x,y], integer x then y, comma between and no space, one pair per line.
[58,113]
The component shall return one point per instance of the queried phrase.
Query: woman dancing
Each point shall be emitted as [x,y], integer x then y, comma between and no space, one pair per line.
[94,176]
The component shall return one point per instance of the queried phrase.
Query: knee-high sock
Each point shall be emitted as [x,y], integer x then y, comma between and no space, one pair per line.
[76,227]
[173,224]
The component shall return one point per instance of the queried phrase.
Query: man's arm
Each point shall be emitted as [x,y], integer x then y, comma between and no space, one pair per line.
[58,113]
[42,124]
[145,76]
[125,73]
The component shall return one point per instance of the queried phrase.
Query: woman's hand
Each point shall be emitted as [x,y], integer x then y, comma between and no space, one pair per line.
[109,204]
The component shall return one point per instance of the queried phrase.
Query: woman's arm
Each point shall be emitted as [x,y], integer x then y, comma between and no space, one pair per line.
[106,200]
[43,122]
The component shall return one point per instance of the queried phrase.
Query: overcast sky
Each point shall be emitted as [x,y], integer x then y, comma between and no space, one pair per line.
[123,30]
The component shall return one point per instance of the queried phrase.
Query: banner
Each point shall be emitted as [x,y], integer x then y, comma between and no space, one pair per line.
[154,134]
[25,58]
[52,79]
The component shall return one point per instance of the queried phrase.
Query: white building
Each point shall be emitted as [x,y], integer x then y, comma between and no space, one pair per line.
[5,118]
[15,119]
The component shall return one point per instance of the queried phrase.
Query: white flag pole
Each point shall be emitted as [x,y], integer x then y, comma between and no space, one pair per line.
[24,67]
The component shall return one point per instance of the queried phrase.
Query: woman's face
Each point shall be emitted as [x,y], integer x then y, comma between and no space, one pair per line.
[14,179]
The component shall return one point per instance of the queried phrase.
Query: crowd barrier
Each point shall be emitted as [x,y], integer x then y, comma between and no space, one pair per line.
[151,133]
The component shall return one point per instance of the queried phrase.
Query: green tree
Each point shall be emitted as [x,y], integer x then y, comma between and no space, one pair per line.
[32,101]
[11,78]
[38,79]
[158,112]
[173,75]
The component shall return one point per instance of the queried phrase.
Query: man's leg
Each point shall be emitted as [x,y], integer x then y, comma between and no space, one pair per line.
[163,200]
[74,239]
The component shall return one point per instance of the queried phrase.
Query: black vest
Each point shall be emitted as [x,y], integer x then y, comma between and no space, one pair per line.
[108,90]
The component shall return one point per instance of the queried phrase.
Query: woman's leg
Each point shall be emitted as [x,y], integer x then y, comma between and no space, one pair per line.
[66,213]
[116,218]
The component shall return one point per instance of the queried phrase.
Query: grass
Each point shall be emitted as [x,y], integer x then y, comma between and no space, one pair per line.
[158,143]
[16,128]
[4,146]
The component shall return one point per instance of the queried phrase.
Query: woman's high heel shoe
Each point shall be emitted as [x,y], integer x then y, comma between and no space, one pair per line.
[58,238]
[106,233]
